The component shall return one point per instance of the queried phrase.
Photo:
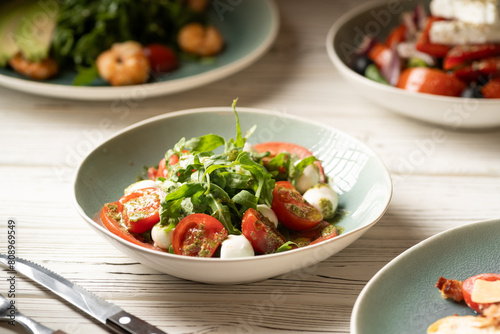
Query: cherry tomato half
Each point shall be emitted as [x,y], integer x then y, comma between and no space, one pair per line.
[110,218]
[161,58]
[140,209]
[198,235]
[321,232]
[292,210]
[261,233]
[430,81]
[468,286]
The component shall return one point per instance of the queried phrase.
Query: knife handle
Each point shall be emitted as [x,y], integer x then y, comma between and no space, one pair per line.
[125,323]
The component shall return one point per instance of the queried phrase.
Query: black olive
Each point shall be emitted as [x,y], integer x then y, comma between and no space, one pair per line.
[361,63]
[472,91]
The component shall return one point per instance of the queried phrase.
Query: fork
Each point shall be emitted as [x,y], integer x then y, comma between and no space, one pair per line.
[31,325]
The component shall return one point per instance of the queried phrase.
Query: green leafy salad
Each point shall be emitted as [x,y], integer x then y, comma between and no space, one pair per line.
[210,196]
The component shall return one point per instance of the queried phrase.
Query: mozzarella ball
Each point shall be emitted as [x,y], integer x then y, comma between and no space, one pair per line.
[269,213]
[308,178]
[141,185]
[161,237]
[236,246]
[323,198]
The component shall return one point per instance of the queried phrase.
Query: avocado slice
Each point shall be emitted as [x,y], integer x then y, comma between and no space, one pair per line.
[10,17]
[33,33]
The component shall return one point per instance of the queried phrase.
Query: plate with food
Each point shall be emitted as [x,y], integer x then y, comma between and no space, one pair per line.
[92,50]
[231,196]
[441,285]
[436,61]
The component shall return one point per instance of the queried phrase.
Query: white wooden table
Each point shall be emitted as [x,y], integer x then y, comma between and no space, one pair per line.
[437,185]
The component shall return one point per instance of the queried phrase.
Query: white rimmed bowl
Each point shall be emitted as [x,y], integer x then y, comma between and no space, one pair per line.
[359,176]
[377,18]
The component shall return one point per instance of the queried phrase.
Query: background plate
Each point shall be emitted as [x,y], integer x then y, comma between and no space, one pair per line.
[401,298]
[378,18]
[246,41]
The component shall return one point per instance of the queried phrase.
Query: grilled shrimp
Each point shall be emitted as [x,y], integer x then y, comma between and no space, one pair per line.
[124,64]
[199,40]
[41,70]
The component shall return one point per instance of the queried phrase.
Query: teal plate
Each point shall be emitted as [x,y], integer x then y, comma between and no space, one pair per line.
[401,298]
[246,41]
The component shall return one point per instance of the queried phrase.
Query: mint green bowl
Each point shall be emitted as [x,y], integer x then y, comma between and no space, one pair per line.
[360,178]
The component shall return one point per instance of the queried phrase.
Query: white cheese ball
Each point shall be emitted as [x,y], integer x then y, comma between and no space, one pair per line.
[308,178]
[323,198]
[161,238]
[236,246]
[269,213]
[141,185]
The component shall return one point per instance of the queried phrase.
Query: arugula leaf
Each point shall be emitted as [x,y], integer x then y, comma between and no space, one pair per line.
[286,246]
[245,199]
[205,143]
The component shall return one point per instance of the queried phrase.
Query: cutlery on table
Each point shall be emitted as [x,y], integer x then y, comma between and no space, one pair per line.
[31,325]
[109,314]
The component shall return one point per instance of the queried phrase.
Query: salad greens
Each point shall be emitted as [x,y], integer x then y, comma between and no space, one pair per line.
[224,184]
[85,28]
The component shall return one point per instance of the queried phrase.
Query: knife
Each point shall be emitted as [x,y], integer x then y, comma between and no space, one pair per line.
[115,318]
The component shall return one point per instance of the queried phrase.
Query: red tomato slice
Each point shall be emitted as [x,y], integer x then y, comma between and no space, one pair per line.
[292,210]
[161,58]
[461,54]
[424,44]
[479,68]
[321,232]
[108,217]
[327,233]
[261,233]
[140,209]
[380,54]
[198,235]
[467,288]
[492,89]
[396,36]
[162,169]
[277,147]
[430,81]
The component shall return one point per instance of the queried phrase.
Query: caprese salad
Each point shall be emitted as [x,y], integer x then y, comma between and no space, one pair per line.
[211,197]
[454,51]
[482,294]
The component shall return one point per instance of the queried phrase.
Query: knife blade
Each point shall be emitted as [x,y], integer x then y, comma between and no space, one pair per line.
[114,317]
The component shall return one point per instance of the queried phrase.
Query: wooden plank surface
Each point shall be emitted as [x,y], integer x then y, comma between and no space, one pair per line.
[437,185]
